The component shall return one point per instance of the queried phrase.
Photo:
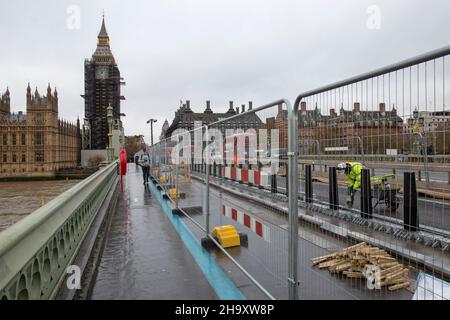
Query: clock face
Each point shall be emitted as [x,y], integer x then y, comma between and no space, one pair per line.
[101,73]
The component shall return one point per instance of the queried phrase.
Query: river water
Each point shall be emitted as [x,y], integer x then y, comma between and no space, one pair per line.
[18,199]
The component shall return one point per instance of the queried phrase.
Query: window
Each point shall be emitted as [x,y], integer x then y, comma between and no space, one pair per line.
[14,157]
[39,118]
[5,139]
[39,138]
[5,157]
[14,139]
[24,157]
[24,139]
[39,156]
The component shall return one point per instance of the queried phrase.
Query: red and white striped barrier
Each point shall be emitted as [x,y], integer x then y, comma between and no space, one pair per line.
[265,180]
[242,175]
[238,175]
[248,221]
[227,172]
[254,178]
[246,176]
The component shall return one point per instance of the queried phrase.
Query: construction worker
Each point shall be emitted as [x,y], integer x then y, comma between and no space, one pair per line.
[352,171]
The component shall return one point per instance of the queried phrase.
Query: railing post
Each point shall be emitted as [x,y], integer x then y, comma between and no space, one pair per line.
[308,184]
[273,182]
[176,183]
[366,196]
[207,187]
[410,217]
[286,179]
[293,199]
[333,189]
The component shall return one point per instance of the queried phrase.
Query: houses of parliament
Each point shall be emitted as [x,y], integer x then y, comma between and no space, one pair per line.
[36,143]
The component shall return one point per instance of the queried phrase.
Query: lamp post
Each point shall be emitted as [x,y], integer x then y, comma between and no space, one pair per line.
[151,121]
[109,117]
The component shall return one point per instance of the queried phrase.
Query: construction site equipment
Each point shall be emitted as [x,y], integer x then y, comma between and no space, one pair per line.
[228,236]
[385,189]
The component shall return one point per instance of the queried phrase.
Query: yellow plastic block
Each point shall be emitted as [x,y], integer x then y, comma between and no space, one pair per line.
[162,179]
[227,236]
[173,193]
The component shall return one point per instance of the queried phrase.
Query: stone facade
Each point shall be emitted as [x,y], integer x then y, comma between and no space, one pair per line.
[185,119]
[37,143]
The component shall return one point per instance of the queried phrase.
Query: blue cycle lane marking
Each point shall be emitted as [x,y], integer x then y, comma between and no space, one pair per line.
[219,281]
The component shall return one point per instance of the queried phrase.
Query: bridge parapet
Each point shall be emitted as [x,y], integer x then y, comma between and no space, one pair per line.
[35,252]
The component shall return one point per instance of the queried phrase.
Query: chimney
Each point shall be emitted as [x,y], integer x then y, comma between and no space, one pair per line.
[333,113]
[250,105]
[280,108]
[243,108]
[382,107]
[303,106]
[231,104]
[208,107]
[188,104]
[357,107]
[237,110]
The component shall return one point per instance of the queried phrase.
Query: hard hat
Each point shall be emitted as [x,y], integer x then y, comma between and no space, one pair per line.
[341,166]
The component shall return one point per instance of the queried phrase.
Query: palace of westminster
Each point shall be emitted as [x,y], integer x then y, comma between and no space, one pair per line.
[38,142]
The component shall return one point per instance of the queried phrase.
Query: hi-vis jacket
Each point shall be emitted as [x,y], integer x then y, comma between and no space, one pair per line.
[354,177]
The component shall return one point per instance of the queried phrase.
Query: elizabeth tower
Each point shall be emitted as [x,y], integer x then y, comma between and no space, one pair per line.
[101,88]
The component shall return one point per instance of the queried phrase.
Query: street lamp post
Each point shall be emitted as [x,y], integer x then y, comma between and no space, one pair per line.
[151,121]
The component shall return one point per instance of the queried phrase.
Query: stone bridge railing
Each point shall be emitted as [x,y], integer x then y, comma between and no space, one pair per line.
[35,252]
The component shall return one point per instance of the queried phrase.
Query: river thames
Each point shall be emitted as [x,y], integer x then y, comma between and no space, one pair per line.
[18,199]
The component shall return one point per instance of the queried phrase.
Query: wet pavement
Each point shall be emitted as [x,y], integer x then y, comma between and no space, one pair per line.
[18,199]
[144,257]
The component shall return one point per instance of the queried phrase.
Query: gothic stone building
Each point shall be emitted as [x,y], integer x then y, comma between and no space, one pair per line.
[102,89]
[185,118]
[37,143]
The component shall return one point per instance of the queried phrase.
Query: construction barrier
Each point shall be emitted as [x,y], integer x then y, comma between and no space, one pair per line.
[248,221]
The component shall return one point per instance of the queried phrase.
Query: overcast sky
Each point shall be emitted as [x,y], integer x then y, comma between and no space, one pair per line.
[208,49]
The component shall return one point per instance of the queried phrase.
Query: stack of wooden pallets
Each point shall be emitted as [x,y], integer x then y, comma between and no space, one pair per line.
[365,261]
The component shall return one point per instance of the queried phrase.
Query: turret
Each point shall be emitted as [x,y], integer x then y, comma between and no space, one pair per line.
[5,107]
[28,95]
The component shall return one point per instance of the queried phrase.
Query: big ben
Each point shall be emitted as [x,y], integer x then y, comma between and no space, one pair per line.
[102,83]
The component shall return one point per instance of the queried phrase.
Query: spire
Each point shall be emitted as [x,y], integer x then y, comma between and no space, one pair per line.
[103,52]
[103,37]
